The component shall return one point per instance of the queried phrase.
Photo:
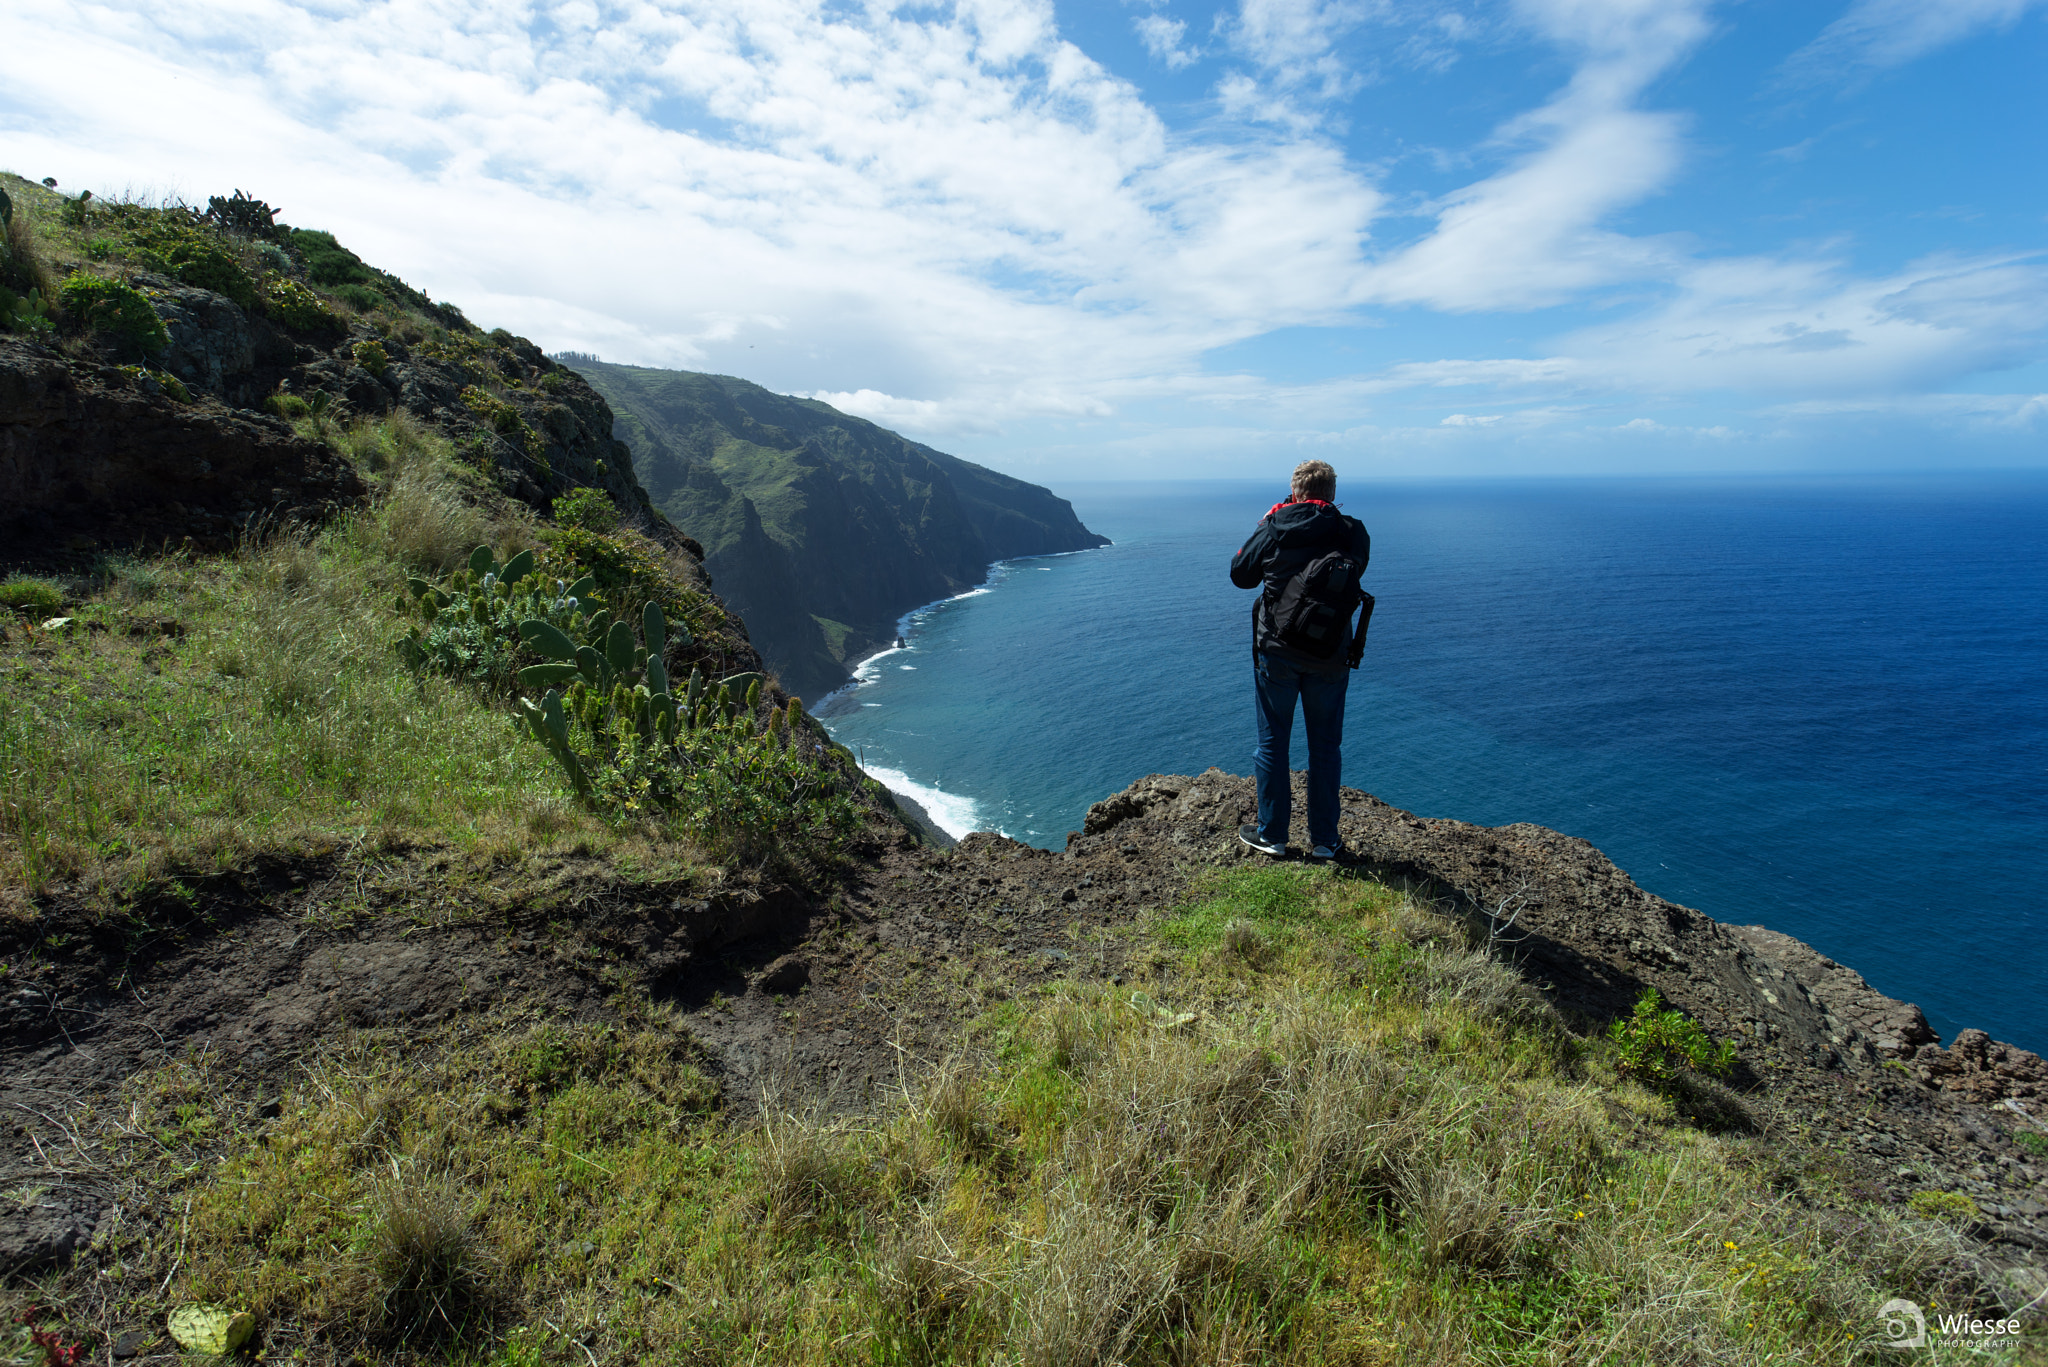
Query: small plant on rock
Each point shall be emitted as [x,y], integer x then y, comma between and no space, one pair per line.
[1655,1044]
[297,307]
[371,356]
[115,310]
[1950,1207]
[592,510]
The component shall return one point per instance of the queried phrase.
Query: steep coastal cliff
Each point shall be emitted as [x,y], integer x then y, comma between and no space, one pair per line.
[785,494]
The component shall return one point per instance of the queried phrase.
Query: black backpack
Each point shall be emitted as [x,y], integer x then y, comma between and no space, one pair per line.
[1313,608]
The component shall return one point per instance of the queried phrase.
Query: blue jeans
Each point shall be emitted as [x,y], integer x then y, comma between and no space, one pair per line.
[1276,685]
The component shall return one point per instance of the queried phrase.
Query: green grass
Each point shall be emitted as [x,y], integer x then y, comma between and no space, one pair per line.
[835,636]
[31,594]
[275,716]
[1288,1161]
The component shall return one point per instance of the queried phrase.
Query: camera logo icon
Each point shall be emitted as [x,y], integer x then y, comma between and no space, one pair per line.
[1902,1324]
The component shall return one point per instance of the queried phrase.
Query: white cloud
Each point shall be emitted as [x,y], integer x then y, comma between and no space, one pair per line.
[954,222]
[1881,34]
[2011,412]
[1530,236]
[1651,427]
[1293,41]
[1162,38]
[1773,327]
[963,209]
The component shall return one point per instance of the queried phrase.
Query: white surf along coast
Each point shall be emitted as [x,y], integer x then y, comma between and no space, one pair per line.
[954,813]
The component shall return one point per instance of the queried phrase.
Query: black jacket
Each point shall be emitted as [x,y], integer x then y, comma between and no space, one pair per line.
[1286,540]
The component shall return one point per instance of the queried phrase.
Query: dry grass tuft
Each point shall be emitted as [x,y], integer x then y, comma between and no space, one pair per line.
[1242,940]
[422,1266]
[955,1103]
[805,1173]
[927,1299]
[1089,1288]
[425,523]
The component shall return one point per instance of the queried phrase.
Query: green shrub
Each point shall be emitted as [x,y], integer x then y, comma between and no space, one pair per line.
[297,307]
[628,569]
[361,298]
[1654,1045]
[288,406]
[192,254]
[1951,1207]
[327,261]
[242,214]
[27,593]
[711,761]
[116,310]
[2033,1141]
[207,265]
[496,414]
[372,357]
[592,510]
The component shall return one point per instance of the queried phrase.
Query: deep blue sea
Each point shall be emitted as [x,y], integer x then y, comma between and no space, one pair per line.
[1816,704]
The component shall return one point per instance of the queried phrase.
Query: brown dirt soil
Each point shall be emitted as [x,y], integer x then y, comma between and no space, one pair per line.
[833,993]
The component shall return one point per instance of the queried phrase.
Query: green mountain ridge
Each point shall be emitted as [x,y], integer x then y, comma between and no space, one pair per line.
[788,496]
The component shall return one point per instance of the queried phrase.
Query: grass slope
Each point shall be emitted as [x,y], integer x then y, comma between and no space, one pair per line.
[1324,1129]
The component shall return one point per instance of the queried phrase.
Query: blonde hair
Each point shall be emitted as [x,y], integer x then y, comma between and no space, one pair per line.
[1314,479]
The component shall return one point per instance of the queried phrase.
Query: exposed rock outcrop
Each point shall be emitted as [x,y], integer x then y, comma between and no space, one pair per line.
[1980,1068]
[104,455]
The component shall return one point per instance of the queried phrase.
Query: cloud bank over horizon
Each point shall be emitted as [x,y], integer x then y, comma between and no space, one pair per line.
[1160,238]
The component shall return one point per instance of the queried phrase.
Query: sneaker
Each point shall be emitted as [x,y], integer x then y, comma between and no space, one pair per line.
[1249,834]
[1323,854]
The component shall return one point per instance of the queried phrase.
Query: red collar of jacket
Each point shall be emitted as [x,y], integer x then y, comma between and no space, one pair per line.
[1290,502]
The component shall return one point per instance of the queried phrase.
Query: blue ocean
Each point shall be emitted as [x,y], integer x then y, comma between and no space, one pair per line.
[1819,704]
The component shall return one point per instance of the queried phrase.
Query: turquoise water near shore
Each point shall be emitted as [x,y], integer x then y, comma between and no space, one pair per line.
[1816,704]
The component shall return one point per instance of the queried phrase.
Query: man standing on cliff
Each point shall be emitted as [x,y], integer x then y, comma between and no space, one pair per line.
[1305,558]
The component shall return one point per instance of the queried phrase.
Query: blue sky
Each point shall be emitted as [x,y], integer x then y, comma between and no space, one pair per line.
[1158,238]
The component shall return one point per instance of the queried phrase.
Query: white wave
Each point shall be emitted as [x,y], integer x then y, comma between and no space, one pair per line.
[953,814]
[869,669]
